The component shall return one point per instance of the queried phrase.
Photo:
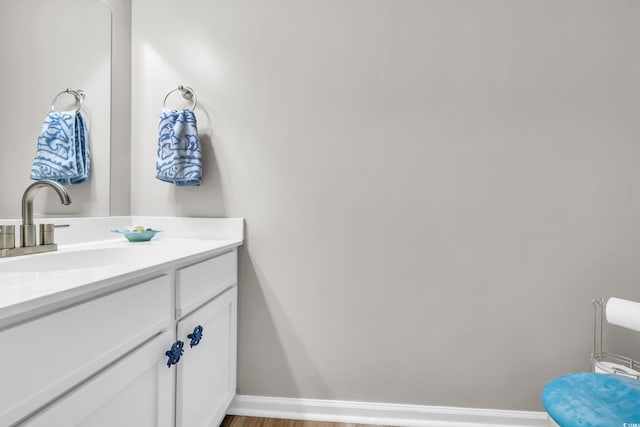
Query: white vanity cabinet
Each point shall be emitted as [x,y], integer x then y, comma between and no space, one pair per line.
[102,362]
[46,356]
[206,298]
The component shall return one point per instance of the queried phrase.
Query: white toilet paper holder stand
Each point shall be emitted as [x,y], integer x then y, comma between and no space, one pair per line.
[608,362]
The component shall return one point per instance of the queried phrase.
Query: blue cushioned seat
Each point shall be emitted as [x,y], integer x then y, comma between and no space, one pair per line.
[588,399]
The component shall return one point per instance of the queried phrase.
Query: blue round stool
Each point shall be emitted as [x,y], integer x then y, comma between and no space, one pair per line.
[589,399]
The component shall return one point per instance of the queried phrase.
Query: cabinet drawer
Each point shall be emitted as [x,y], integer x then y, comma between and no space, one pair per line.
[198,283]
[44,357]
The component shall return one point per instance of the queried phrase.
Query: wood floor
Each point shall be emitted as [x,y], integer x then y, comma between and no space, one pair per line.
[235,421]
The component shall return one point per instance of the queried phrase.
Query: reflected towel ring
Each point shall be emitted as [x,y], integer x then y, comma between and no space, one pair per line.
[78,94]
[187,93]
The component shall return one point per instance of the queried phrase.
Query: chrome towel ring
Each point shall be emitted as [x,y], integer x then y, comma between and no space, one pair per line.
[187,93]
[78,94]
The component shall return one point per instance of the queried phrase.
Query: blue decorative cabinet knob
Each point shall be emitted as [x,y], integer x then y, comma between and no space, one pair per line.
[195,336]
[174,353]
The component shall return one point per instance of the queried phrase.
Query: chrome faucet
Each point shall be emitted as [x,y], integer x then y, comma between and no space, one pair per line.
[28,228]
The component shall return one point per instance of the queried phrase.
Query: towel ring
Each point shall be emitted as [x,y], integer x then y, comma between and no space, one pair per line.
[187,93]
[78,94]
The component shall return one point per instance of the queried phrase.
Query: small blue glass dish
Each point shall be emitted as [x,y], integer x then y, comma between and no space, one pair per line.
[137,236]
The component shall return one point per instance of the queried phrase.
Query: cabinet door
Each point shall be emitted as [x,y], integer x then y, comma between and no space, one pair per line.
[135,391]
[206,377]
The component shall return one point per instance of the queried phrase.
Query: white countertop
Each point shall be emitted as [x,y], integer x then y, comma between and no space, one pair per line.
[31,284]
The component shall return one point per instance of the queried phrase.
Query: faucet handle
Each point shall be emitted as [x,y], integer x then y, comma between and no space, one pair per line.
[46,233]
[7,236]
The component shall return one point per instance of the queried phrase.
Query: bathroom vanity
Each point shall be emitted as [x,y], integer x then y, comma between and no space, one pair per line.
[115,333]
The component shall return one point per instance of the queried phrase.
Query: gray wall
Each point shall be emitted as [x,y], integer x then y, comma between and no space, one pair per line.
[434,191]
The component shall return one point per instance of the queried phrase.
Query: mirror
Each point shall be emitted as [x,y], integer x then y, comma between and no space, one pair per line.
[47,46]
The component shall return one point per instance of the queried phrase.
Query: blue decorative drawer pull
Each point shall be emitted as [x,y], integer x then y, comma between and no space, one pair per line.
[175,353]
[195,336]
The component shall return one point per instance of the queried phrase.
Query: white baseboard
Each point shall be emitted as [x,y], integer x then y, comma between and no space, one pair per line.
[381,413]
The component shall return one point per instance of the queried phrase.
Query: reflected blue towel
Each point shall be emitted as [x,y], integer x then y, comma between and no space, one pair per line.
[62,153]
[179,157]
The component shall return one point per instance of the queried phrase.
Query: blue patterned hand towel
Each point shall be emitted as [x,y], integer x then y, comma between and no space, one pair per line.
[179,159]
[62,153]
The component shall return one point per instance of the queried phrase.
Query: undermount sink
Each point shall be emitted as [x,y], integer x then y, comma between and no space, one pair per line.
[79,259]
